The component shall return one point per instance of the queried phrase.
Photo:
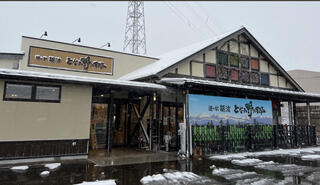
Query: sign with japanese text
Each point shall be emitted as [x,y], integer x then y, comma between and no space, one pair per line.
[219,110]
[51,58]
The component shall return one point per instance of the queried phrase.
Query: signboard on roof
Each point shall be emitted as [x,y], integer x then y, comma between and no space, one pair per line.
[66,60]
[219,110]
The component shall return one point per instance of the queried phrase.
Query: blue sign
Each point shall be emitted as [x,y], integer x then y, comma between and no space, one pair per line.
[219,110]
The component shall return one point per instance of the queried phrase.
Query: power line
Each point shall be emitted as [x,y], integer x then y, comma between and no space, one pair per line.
[204,22]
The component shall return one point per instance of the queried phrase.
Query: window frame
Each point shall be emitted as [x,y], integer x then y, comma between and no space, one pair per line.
[33,92]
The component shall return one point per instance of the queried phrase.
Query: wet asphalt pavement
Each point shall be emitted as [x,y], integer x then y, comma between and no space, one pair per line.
[287,170]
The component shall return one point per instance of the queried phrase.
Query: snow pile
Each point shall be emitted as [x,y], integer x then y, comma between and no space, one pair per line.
[246,162]
[314,177]
[310,157]
[174,177]
[44,173]
[19,168]
[230,157]
[279,152]
[52,166]
[286,169]
[231,174]
[102,182]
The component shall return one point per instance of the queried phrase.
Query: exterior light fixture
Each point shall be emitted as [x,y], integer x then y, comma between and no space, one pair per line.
[108,45]
[44,34]
[102,95]
[78,40]
[154,97]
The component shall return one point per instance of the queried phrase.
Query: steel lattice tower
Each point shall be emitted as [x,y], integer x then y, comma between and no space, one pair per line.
[135,36]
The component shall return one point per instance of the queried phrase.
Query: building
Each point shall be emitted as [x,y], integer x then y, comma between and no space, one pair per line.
[62,100]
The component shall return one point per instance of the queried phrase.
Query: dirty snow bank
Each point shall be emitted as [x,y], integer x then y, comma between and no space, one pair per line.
[103,182]
[44,173]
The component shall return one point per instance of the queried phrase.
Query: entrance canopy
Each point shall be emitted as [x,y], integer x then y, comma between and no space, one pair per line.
[238,89]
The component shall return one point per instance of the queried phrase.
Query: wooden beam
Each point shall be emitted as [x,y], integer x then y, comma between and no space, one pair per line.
[141,124]
[308,113]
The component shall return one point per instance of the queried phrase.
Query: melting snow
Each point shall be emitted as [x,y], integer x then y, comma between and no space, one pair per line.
[310,157]
[175,177]
[52,166]
[103,182]
[246,162]
[19,168]
[44,173]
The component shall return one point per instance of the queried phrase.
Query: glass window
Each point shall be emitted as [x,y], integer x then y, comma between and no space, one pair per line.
[222,58]
[18,91]
[32,92]
[47,93]
[234,60]
[264,79]
[210,71]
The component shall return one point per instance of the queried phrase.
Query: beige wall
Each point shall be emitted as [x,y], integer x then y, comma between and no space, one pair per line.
[123,63]
[8,63]
[184,68]
[69,119]
[197,69]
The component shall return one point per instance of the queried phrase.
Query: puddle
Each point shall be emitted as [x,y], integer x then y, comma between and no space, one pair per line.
[198,171]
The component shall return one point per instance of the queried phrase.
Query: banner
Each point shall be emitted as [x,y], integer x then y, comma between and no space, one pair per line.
[217,110]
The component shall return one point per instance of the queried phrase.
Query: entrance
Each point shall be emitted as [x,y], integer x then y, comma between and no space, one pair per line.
[172,116]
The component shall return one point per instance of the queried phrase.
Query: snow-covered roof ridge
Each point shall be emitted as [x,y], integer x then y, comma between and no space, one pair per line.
[181,81]
[171,58]
[80,79]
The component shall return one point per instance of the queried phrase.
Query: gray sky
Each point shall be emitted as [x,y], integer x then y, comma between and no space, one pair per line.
[288,30]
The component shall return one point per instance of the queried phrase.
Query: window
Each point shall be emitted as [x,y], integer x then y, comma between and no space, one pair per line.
[210,71]
[31,92]
[18,91]
[47,93]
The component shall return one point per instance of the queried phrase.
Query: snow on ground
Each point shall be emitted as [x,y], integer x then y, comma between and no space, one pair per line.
[280,152]
[52,166]
[19,168]
[175,177]
[44,173]
[310,157]
[102,182]
[246,162]
[287,169]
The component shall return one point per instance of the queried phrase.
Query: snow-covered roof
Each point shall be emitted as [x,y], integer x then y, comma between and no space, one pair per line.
[182,81]
[77,79]
[173,57]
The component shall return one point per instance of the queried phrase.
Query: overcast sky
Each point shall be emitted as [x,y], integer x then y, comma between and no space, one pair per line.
[288,30]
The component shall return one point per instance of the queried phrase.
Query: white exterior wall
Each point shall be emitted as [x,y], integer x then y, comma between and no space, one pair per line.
[69,119]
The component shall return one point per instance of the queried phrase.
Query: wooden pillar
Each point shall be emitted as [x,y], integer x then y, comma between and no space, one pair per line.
[110,124]
[151,120]
[188,135]
[158,108]
[290,112]
[308,113]
[294,111]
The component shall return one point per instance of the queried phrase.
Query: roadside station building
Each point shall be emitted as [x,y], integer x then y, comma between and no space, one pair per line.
[64,100]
